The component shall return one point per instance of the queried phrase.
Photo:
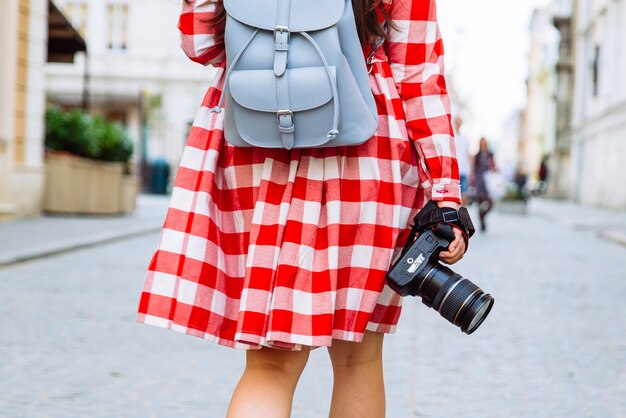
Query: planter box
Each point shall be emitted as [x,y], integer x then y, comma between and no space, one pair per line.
[130,188]
[82,185]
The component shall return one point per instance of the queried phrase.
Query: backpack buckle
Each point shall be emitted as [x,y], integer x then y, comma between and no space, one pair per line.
[282,29]
[284,113]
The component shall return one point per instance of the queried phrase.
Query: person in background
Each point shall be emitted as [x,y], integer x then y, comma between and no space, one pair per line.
[462,155]
[521,181]
[483,163]
[543,177]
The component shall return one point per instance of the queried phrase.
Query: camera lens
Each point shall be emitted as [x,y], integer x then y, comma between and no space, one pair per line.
[455,298]
[417,272]
[479,313]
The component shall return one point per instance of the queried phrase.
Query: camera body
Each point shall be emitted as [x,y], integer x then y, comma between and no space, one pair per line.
[410,272]
[417,272]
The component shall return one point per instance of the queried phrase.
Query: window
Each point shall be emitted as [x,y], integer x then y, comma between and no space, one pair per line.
[594,71]
[77,14]
[117,19]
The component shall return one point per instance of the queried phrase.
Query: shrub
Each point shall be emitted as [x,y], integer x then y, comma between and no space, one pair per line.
[88,136]
[514,192]
[113,141]
[69,131]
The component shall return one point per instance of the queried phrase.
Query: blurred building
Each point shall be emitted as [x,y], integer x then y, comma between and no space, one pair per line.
[590,101]
[134,72]
[26,26]
[538,133]
[598,125]
[560,166]
[508,158]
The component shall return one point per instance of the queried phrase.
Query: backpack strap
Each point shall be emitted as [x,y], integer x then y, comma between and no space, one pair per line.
[370,57]
[282,36]
[284,116]
[218,108]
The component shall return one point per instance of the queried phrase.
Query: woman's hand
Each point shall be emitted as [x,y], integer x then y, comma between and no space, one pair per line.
[456,249]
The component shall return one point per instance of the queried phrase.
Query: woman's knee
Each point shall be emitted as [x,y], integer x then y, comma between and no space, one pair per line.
[287,363]
[345,354]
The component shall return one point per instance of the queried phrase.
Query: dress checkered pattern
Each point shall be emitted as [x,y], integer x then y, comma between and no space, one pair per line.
[285,248]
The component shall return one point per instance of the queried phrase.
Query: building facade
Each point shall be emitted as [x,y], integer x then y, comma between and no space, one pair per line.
[590,107]
[134,72]
[560,181]
[23,47]
[598,122]
[538,132]
[32,33]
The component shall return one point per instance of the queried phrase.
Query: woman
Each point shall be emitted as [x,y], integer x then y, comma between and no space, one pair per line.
[280,251]
[483,163]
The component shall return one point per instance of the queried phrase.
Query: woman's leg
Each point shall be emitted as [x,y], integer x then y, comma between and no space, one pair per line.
[484,206]
[359,389]
[266,387]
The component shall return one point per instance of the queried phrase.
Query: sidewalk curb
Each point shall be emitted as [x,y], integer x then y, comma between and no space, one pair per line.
[93,241]
[617,237]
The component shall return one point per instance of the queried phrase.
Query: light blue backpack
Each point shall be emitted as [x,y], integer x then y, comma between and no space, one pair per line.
[296,76]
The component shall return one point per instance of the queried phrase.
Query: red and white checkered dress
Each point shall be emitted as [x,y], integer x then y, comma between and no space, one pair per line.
[284,248]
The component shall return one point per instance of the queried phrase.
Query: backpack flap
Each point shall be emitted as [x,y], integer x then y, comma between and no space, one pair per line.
[263,110]
[297,15]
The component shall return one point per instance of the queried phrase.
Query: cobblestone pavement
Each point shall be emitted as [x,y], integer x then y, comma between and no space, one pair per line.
[554,346]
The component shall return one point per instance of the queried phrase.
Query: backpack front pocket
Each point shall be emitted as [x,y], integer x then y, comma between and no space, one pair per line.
[292,111]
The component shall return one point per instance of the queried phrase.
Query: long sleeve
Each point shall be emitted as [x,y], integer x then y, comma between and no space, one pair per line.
[198,34]
[415,53]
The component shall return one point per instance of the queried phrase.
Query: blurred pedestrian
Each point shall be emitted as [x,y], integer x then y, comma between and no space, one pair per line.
[542,174]
[484,164]
[278,251]
[461,144]
[520,181]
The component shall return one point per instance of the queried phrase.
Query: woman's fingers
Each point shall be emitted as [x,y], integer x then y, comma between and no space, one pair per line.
[456,249]
[450,258]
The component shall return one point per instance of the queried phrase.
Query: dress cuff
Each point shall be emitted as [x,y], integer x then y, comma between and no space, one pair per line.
[449,191]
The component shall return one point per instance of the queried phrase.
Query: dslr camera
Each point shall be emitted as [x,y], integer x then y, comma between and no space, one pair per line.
[417,271]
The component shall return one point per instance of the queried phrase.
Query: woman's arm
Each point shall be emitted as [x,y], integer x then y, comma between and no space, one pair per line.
[198,39]
[415,52]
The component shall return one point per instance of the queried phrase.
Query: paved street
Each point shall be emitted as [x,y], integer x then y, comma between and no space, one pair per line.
[554,345]
[42,236]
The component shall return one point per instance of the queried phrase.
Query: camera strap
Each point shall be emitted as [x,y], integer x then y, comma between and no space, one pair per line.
[432,215]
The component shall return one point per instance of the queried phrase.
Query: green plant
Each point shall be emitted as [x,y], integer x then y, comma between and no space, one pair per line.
[113,140]
[513,192]
[88,136]
[69,131]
